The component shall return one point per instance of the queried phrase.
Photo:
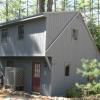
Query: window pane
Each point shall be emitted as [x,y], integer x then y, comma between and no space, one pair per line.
[75,34]
[4,35]
[20,32]
[67,70]
[37,70]
[10,63]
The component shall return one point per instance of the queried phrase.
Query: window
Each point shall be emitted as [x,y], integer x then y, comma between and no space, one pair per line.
[20,32]
[37,70]
[10,63]
[4,35]
[75,34]
[67,70]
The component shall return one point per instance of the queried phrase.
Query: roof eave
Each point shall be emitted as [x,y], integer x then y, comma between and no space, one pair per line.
[22,20]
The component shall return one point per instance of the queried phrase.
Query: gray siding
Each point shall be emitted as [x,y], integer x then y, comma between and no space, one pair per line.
[56,22]
[26,64]
[64,51]
[45,80]
[33,43]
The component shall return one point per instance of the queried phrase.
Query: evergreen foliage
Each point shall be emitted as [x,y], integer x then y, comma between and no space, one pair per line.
[95,31]
[91,71]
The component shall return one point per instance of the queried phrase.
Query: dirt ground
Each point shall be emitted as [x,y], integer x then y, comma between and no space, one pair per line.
[5,95]
[16,97]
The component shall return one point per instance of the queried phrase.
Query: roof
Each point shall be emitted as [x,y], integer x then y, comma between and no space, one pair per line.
[22,20]
[30,18]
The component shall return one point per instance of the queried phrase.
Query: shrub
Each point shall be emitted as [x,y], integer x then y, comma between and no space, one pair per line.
[91,71]
[73,92]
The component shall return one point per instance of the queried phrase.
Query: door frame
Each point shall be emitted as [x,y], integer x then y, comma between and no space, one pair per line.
[34,62]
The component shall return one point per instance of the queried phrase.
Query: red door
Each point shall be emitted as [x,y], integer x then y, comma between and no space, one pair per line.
[36,77]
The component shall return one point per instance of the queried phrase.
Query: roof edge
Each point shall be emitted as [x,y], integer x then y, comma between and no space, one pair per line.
[36,16]
[92,39]
[43,14]
[22,19]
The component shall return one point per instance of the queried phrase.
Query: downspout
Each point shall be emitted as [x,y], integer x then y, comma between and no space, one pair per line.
[48,62]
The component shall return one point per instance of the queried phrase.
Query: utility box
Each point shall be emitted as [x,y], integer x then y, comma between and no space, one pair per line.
[14,78]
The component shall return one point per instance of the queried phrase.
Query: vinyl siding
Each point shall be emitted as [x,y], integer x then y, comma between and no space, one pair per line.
[56,22]
[26,64]
[33,43]
[65,51]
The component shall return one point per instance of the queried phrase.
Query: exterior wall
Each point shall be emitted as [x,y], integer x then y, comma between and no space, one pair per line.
[33,43]
[65,51]
[26,64]
[56,22]
[45,80]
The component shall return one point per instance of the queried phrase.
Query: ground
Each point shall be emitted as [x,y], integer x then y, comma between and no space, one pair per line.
[16,95]
[32,98]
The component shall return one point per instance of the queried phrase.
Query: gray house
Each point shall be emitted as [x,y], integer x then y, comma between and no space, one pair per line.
[47,48]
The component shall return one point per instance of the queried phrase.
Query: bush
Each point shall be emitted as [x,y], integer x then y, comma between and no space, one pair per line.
[91,71]
[73,92]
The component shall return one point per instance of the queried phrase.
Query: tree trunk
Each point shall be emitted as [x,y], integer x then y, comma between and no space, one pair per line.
[49,5]
[6,10]
[63,5]
[41,6]
[55,5]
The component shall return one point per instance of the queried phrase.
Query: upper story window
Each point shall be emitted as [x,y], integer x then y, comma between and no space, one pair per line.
[75,34]
[67,70]
[4,35]
[20,32]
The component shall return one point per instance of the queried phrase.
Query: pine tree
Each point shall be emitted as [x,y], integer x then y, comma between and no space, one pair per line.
[41,6]
[49,5]
[90,71]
